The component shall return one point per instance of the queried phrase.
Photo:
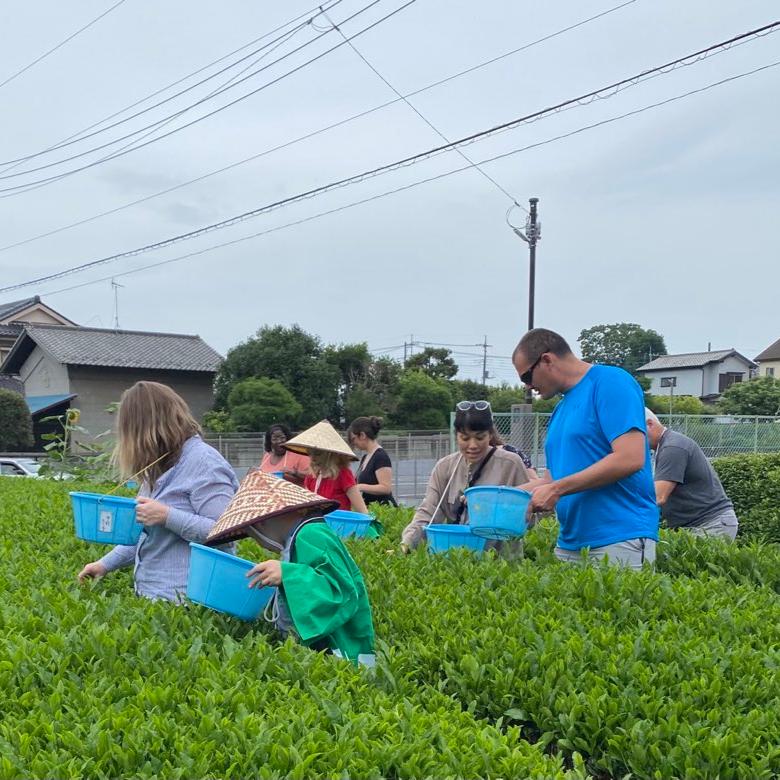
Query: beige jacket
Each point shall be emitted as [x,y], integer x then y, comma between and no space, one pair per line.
[504,468]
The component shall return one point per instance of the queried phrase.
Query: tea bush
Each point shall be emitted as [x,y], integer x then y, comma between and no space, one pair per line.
[486,668]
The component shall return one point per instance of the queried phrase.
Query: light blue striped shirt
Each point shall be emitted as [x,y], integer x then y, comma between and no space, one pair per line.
[197,490]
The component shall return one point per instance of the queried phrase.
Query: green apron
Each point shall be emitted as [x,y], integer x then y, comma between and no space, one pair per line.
[325,595]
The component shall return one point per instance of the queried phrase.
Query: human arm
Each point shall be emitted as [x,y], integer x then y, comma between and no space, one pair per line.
[627,457]
[663,489]
[356,500]
[384,486]
[212,486]
[117,558]
[427,511]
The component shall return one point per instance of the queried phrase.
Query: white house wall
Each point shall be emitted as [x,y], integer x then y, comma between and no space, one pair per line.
[42,375]
[688,381]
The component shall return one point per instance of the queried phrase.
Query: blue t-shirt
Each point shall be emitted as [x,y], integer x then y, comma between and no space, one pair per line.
[606,403]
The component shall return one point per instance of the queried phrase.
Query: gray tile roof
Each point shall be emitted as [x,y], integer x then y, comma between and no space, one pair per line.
[9,309]
[122,348]
[772,352]
[11,329]
[689,360]
[8,382]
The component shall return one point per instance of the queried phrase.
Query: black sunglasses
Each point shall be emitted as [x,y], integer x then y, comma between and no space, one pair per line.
[527,376]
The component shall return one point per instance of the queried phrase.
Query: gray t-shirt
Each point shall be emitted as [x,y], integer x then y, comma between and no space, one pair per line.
[699,496]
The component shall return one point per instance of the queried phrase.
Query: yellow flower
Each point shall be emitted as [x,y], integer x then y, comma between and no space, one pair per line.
[73,416]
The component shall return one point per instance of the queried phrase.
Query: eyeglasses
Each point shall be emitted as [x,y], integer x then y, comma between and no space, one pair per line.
[528,376]
[480,406]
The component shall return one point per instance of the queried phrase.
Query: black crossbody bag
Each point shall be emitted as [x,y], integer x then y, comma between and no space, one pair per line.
[461,506]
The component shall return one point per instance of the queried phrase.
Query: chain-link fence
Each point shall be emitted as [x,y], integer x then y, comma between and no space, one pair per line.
[413,455]
[716,435]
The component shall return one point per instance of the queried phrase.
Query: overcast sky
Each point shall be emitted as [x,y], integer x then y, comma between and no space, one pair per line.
[668,218]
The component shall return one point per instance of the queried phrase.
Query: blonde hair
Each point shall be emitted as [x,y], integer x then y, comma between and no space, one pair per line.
[153,421]
[327,464]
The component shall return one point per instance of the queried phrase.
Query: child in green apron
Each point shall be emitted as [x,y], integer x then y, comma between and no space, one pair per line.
[321,598]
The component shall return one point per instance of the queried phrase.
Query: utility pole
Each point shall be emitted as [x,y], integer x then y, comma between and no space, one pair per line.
[532,235]
[116,287]
[485,375]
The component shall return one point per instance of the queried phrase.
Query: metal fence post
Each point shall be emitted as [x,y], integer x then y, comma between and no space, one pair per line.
[536,440]
[755,436]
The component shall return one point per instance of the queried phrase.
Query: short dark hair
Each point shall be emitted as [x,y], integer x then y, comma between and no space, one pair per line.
[476,420]
[275,427]
[540,340]
[368,425]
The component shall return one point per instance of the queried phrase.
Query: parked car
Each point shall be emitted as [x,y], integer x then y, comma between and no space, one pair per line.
[19,467]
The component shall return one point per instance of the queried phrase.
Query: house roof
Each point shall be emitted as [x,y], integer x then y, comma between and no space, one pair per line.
[691,360]
[11,329]
[9,309]
[77,346]
[38,404]
[772,352]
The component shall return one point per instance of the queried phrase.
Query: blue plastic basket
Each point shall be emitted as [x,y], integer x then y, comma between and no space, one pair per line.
[444,537]
[344,523]
[218,580]
[105,519]
[497,512]
[278,474]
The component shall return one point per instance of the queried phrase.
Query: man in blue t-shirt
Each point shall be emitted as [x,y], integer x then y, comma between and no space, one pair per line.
[599,478]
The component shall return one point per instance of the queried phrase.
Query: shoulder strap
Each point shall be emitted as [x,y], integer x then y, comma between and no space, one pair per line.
[478,473]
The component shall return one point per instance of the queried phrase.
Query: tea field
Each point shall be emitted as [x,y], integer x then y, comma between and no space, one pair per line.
[486,668]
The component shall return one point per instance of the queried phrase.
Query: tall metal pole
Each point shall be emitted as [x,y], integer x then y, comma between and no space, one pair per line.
[532,235]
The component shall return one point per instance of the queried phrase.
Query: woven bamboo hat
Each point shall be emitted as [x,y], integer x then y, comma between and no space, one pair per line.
[322,436]
[260,497]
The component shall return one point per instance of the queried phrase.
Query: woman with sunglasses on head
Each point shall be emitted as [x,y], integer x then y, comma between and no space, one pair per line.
[477,462]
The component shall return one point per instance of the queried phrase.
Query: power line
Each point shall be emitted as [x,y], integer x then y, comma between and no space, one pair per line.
[372,198]
[419,113]
[84,134]
[59,45]
[181,80]
[241,98]
[313,133]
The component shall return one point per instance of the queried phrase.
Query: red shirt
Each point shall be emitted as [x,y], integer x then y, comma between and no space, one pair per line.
[333,488]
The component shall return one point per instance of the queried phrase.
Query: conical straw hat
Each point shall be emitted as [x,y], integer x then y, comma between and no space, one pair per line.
[260,497]
[322,436]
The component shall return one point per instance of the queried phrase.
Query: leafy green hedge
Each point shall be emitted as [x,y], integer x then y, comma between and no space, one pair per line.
[752,482]
[486,668]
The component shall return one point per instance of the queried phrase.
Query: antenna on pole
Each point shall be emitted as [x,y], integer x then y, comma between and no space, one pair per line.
[116,287]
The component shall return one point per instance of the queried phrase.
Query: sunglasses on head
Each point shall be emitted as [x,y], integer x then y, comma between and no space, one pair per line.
[480,406]
[527,376]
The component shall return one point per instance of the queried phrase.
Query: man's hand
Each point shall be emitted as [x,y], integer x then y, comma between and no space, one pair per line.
[150,512]
[544,498]
[267,573]
[93,570]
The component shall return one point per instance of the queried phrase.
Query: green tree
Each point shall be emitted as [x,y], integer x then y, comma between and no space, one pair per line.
[293,357]
[362,402]
[759,396]
[623,344]
[383,381]
[353,362]
[681,404]
[469,390]
[256,403]
[424,403]
[437,362]
[16,433]
[502,398]
[217,421]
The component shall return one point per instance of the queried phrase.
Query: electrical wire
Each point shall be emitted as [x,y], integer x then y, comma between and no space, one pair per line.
[79,135]
[309,135]
[419,113]
[59,45]
[211,113]
[385,194]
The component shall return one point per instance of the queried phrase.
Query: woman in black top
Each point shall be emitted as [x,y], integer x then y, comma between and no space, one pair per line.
[375,472]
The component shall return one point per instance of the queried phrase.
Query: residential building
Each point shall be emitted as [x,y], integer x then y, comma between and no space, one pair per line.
[769,361]
[702,374]
[14,314]
[63,366]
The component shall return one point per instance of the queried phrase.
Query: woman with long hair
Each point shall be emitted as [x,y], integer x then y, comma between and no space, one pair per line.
[477,462]
[375,470]
[185,487]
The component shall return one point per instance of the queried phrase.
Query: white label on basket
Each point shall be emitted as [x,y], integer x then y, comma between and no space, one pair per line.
[106,521]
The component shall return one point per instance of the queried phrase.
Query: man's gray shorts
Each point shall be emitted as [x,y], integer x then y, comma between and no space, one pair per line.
[724,525]
[633,553]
